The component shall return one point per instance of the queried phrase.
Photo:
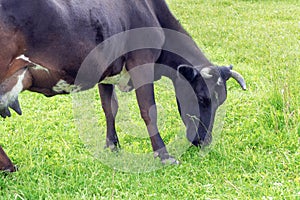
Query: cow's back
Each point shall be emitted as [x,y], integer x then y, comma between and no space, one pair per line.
[60,30]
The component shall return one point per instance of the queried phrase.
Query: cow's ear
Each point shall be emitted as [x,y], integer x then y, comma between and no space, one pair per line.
[187,71]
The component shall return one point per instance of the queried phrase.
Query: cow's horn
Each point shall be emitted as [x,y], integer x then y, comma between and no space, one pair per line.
[239,78]
[205,73]
[16,106]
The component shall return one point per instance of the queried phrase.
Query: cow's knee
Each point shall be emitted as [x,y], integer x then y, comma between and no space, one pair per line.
[145,116]
[110,107]
[109,100]
[149,115]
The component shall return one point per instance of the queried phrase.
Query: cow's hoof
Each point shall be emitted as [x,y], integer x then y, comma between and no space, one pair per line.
[166,159]
[14,168]
[112,146]
[170,161]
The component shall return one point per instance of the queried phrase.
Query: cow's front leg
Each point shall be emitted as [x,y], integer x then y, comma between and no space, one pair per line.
[5,163]
[110,106]
[146,102]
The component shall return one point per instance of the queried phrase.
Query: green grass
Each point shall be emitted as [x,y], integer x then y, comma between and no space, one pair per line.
[257,155]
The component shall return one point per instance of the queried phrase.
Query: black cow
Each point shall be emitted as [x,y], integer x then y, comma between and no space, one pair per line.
[44,43]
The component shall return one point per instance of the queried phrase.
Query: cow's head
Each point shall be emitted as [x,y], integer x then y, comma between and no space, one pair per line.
[198,108]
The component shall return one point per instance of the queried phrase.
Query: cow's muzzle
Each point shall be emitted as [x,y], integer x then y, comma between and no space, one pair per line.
[199,136]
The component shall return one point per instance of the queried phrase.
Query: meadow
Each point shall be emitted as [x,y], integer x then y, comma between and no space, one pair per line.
[256,155]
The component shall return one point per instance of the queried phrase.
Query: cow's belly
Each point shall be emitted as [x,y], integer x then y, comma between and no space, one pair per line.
[51,82]
[121,80]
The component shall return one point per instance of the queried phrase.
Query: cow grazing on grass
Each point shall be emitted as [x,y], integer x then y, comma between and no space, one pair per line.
[43,44]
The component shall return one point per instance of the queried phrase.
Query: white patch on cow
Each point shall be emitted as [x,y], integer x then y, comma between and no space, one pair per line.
[62,86]
[36,66]
[11,96]
[220,81]
[121,80]
[216,95]
[25,58]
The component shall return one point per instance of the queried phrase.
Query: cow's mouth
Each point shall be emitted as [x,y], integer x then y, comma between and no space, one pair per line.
[199,135]
[4,109]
